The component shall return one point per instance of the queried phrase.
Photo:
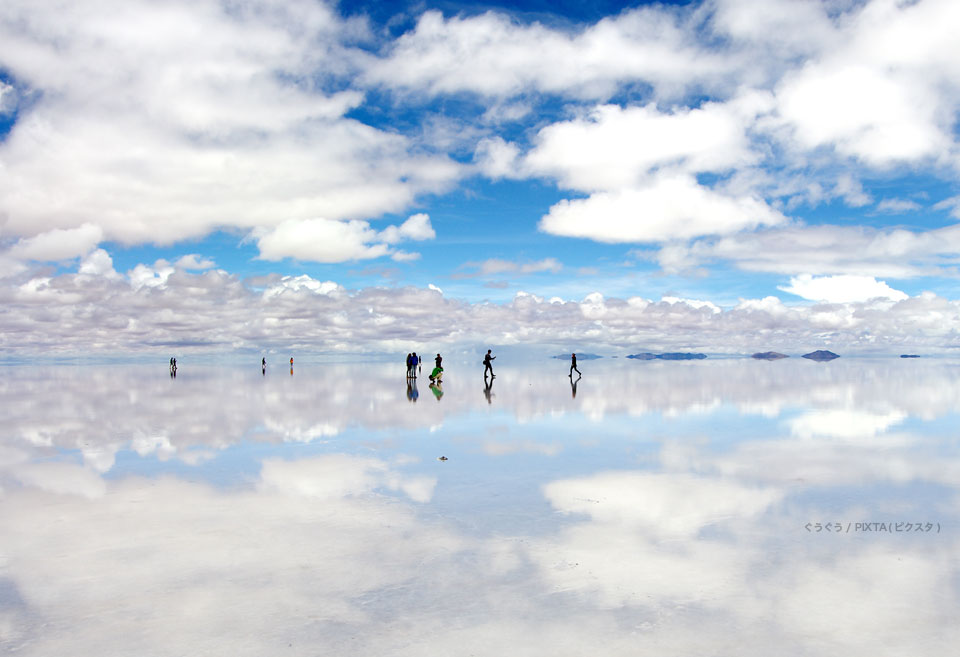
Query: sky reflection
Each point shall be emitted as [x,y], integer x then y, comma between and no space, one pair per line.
[668,507]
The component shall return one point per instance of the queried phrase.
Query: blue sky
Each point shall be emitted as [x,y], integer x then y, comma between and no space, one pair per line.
[722,175]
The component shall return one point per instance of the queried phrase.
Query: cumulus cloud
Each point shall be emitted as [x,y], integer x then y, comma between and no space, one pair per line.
[161,123]
[492,55]
[194,261]
[670,207]
[417,227]
[613,148]
[158,306]
[496,158]
[841,289]
[328,240]
[878,104]
[58,244]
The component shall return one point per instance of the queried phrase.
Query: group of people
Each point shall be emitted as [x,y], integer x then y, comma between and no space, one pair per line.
[413,363]
[414,367]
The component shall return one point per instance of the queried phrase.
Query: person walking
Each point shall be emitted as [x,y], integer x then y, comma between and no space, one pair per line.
[573,365]
[488,365]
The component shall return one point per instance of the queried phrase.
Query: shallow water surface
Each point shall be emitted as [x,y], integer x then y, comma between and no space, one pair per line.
[717,507]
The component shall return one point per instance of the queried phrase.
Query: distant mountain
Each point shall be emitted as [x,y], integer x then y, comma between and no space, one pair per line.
[821,355]
[579,356]
[668,356]
[769,355]
[909,355]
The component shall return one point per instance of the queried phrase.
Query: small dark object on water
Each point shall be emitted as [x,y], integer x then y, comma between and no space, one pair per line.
[821,355]
[442,458]
[769,355]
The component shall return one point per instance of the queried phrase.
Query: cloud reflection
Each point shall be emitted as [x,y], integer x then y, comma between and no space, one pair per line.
[100,411]
[698,546]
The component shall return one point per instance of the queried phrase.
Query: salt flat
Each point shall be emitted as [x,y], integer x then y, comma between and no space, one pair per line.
[717,507]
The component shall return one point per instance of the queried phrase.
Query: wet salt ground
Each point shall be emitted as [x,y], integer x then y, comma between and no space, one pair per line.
[667,508]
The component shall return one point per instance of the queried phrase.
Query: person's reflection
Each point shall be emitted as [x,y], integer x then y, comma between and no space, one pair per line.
[412,393]
[488,389]
[436,390]
[573,386]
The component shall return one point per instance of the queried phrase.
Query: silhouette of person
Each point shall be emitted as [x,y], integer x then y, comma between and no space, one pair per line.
[573,365]
[488,389]
[438,360]
[488,364]
[416,363]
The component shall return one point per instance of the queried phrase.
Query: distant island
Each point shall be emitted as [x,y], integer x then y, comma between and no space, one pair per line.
[769,355]
[909,355]
[579,356]
[668,356]
[821,355]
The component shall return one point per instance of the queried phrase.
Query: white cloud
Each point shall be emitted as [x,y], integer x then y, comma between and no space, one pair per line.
[614,148]
[492,55]
[58,244]
[98,263]
[877,103]
[294,284]
[328,240]
[161,123]
[321,240]
[952,204]
[496,158]
[825,249]
[897,205]
[194,261]
[404,256]
[494,266]
[416,227]
[156,305]
[155,276]
[670,207]
[841,289]
[851,191]
[8,98]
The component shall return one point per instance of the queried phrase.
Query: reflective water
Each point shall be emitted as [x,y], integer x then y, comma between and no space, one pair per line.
[718,507]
